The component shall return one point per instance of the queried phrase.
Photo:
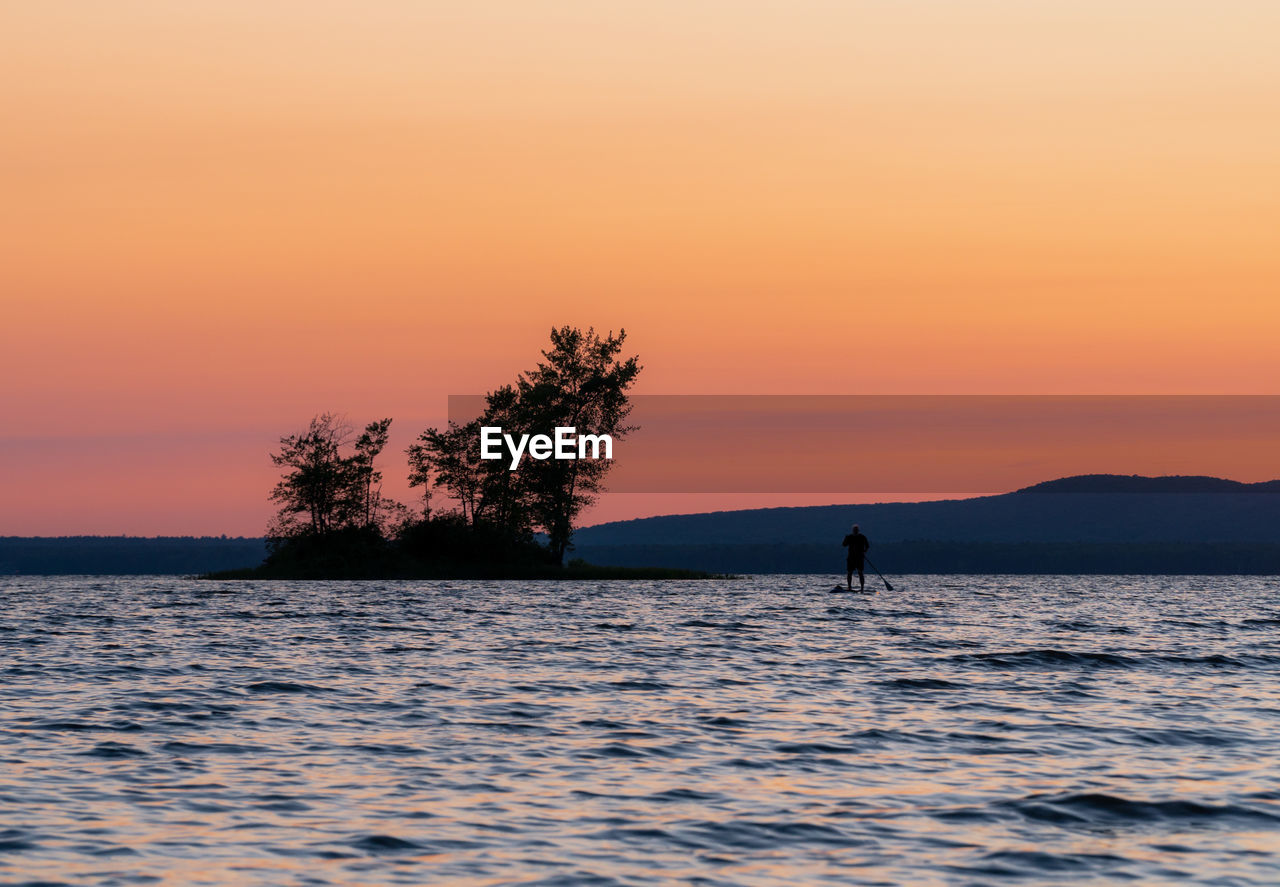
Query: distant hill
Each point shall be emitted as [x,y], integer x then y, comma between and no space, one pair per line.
[127,555]
[1136,483]
[1090,523]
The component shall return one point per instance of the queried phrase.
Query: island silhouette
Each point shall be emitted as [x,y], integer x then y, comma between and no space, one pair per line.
[506,520]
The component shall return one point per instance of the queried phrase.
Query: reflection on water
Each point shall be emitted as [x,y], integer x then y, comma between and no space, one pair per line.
[760,731]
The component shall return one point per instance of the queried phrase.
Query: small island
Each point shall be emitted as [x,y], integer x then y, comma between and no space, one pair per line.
[506,518]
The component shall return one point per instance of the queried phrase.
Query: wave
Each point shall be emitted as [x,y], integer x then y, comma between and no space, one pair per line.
[920,684]
[283,687]
[1045,657]
[1024,862]
[114,750]
[1095,808]
[384,844]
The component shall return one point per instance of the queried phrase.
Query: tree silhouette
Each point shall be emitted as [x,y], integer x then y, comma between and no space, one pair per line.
[376,508]
[449,460]
[582,382]
[324,487]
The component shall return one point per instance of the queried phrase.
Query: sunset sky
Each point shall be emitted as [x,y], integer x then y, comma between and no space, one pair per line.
[220,218]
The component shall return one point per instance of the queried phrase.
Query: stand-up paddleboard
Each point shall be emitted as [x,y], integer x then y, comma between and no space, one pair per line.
[840,589]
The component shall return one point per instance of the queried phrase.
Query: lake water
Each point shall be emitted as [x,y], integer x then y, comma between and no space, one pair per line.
[960,730]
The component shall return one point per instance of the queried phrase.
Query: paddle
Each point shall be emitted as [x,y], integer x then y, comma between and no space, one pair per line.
[887,586]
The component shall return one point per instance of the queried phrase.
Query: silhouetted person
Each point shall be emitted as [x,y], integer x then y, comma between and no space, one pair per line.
[857,545]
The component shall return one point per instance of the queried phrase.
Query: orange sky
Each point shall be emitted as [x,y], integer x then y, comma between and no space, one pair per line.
[222,217]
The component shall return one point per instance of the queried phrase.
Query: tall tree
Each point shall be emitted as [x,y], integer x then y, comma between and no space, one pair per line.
[449,461]
[368,480]
[324,487]
[582,382]
[312,492]
[485,491]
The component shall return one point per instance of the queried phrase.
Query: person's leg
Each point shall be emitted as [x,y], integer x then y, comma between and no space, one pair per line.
[848,577]
[862,579]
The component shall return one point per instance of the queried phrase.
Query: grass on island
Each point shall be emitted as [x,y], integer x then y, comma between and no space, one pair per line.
[441,549]
[574,570]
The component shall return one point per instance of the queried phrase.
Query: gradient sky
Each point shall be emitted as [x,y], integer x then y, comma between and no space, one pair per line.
[220,218]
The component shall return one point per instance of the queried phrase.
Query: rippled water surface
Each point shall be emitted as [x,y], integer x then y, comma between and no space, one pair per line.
[756,731]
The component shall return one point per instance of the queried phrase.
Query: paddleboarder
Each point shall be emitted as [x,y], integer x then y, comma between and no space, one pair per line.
[857,545]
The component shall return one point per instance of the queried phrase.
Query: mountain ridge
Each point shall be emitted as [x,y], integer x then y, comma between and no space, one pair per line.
[1083,508]
[1140,483]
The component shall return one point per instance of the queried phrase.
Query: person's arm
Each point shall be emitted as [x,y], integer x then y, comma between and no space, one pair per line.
[845,541]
